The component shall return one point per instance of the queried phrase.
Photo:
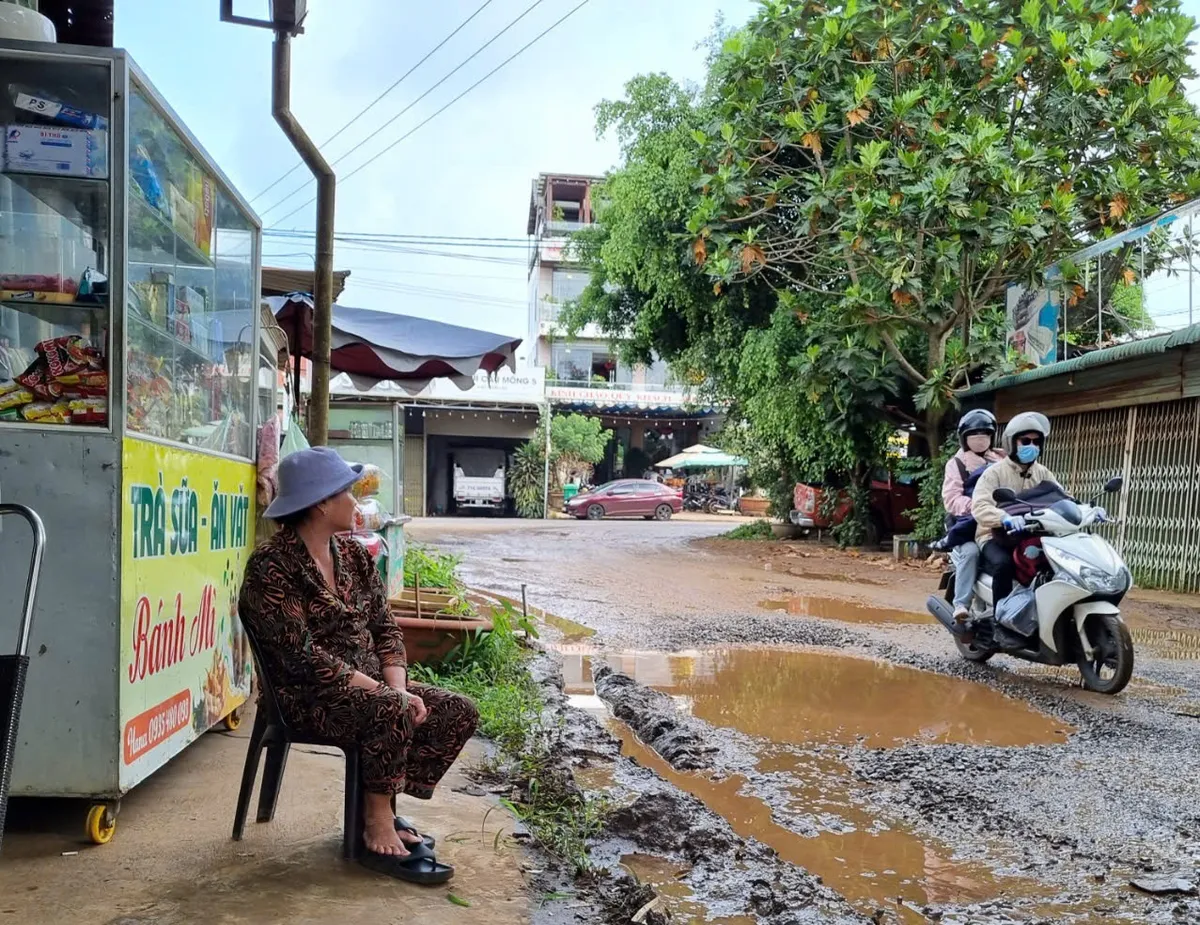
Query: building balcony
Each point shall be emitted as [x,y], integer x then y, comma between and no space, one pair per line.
[616,394]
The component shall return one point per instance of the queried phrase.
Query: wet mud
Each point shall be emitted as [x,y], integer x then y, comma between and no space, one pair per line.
[1009,795]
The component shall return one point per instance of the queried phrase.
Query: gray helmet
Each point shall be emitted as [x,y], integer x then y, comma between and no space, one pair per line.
[1027,422]
[977,421]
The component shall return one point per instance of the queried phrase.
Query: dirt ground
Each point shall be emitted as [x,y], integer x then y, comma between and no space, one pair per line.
[172,860]
[839,727]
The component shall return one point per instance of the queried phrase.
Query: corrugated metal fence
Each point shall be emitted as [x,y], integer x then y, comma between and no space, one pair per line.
[1156,449]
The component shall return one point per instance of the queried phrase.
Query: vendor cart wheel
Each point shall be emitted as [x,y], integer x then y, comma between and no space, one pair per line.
[101,824]
[233,721]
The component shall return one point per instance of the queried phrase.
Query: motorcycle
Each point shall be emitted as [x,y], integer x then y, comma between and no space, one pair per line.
[1075,596]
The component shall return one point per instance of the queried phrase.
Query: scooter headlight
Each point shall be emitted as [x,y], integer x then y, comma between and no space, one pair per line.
[1102,582]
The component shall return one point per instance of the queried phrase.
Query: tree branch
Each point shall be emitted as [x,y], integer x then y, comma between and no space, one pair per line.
[910,371]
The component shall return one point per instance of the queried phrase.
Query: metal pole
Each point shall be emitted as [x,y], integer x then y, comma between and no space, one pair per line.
[1191,265]
[318,416]
[546,472]
[397,459]
[1099,301]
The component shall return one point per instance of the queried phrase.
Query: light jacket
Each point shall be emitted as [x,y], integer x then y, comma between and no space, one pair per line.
[956,502]
[1007,474]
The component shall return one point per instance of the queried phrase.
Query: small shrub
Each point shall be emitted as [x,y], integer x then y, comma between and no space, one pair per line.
[756,530]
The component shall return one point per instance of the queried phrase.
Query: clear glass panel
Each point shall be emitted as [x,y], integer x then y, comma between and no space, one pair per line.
[572,363]
[568,285]
[192,361]
[54,242]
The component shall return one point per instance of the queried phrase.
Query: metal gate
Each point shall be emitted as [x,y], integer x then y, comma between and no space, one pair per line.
[1156,449]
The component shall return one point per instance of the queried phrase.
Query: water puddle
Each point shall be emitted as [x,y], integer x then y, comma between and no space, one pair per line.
[666,878]
[829,608]
[871,865]
[799,696]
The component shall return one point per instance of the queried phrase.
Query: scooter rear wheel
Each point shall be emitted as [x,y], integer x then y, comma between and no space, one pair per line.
[1111,665]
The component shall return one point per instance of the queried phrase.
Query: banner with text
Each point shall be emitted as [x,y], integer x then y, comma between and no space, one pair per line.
[186,532]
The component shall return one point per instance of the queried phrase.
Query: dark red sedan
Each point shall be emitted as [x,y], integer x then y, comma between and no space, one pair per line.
[627,498]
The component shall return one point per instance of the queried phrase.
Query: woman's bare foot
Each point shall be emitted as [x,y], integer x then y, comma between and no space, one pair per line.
[379,826]
[408,837]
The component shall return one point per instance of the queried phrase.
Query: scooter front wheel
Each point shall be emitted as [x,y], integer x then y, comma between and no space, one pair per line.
[972,652]
[1111,665]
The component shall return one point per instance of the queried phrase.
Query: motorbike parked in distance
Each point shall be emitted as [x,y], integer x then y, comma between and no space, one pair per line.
[1070,612]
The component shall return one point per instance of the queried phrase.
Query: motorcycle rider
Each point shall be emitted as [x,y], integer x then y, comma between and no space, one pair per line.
[976,439]
[1024,440]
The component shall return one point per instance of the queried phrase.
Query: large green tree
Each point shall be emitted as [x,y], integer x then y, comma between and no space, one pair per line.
[891,166]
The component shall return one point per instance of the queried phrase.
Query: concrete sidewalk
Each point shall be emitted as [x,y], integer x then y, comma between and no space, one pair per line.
[172,860]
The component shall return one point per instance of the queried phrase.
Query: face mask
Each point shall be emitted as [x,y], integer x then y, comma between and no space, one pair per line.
[979,443]
[1028,453]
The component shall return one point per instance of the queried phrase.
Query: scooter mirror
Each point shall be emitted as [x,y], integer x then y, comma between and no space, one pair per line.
[1004,496]
[1114,484]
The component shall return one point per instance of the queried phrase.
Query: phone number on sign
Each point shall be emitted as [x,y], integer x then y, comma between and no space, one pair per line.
[156,725]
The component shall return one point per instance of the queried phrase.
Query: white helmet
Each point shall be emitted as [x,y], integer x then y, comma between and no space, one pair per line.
[1027,422]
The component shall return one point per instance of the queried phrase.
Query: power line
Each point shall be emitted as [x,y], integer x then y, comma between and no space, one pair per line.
[421,125]
[529,9]
[389,236]
[362,112]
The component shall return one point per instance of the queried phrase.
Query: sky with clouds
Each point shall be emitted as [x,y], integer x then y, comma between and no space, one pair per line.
[468,171]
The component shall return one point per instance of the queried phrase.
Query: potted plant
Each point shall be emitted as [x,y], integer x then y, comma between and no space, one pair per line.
[434,610]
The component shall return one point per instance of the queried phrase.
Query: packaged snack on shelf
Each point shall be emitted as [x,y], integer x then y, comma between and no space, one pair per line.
[93,286]
[368,483]
[39,103]
[88,411]
[42,412]
[37,282]
[72,152]
[13,395]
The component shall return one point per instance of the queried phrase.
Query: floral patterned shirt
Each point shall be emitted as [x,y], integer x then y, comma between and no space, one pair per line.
[308,636]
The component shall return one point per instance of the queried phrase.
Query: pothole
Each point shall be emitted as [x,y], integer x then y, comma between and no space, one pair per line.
[798,796]
[797,696]
[827,608]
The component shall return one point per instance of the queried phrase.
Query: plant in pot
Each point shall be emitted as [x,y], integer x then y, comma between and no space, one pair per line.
[435,610]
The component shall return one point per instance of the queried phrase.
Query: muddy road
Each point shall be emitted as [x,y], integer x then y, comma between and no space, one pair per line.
[800,698]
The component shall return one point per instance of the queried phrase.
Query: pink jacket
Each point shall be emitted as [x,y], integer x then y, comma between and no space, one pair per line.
[956,502]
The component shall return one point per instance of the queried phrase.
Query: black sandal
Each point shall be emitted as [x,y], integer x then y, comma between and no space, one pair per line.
[403,825]
[417,866]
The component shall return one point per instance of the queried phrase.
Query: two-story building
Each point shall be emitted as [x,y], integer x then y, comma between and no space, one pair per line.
[652,416]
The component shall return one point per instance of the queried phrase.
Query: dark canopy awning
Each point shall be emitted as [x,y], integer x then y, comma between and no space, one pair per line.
[372,346]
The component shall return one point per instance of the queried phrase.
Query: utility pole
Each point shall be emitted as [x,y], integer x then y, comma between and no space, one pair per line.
[287,20]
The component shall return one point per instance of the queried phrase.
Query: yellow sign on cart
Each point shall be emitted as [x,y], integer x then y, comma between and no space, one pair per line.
[186,532]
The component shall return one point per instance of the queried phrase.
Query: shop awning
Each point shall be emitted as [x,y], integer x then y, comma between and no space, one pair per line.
[372,346]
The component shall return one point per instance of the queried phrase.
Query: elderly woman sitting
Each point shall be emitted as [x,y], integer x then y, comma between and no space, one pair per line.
[316,608]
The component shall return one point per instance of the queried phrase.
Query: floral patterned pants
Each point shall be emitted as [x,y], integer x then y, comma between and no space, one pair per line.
[396,756]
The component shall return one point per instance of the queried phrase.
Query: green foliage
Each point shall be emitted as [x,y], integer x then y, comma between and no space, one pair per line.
[755,530]
[929,517]
[580,438]
[432,568]
[526,478]
[829,242]
[576,442]
[491,668]
[914,159]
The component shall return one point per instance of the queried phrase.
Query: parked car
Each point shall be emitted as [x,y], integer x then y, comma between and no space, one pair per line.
[892,497]
[627,498]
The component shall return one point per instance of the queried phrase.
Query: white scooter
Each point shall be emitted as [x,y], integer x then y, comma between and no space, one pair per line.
[1077,614]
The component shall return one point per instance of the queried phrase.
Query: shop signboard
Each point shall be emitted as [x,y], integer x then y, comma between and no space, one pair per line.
[1033,323]
[524,386]
[186,532]
[607,398]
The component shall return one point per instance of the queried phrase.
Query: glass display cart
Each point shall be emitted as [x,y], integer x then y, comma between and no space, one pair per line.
[131,382]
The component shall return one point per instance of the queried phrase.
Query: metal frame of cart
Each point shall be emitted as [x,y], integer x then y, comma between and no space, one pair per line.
[150,516]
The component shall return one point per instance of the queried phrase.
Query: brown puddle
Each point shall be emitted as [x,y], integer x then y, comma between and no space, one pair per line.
[871,868]
[798,697]
[665,876]
[828,608]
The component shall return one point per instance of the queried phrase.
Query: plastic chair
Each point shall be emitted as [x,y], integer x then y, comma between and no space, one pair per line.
[272,733]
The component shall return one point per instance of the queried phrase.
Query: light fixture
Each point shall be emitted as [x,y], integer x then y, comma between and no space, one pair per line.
[286,16]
